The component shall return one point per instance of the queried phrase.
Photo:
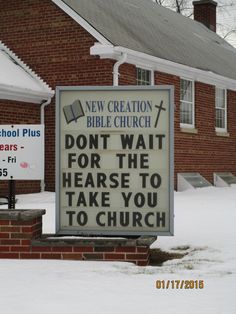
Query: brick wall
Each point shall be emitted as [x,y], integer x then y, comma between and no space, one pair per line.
[205,13]
[57,49]
[21,238]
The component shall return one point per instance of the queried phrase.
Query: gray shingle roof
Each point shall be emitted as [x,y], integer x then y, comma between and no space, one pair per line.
[144,26]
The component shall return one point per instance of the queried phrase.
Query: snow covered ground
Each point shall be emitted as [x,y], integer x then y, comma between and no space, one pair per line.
[204,228]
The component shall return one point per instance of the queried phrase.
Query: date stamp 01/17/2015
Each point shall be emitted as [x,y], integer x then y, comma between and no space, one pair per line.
[180,284]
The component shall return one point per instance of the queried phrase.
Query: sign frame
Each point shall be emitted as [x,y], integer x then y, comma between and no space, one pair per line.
[170,90]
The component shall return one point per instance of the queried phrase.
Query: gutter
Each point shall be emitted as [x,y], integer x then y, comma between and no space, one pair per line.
[42,121]
[116,68]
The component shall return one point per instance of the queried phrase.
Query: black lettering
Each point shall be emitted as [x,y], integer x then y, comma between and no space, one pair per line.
[126,198]
[137,217]
[71,159]
[69,141]
[81,200]
[66,179]
[111,219]
[161,219]
[152,199]
[77,180]
[98,221]
[82,218]
[101,180]
[71,214]
[70,194]
[160,140]
[155,180]
[127,141]
[144,179]
[144,161]
[139,200]
[146,219]
[89,181]
[124,219]
[81,141]
[105,202]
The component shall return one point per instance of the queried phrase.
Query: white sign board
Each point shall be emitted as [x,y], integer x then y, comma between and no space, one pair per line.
[21,152]
[115,160]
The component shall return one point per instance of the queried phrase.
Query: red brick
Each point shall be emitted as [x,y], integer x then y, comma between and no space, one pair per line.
[136,256]
[29,255]
[4,248]
[83,249]
[62,249]
[9,255]
[20,248]
[142,249]
[72,256]
[10,242]
[126,249]
[114,256]
[10,229]
[4,235]
[142,263]
[41,249]
[21,236]
[4,222]
[25,242]
[93,256]
[51,256]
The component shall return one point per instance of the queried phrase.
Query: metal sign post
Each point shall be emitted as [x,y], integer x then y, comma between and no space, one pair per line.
[11,194]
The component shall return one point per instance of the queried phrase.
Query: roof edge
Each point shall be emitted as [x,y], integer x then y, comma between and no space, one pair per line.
[50,93]
[143,60]
[18,94]
[81,21]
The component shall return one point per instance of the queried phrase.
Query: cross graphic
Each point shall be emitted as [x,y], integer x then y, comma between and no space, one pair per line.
[160,108]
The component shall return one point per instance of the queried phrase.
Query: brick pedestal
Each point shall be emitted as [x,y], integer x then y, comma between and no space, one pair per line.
[21,238]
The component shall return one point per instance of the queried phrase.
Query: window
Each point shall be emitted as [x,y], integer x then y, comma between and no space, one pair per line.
[187,103]
[143,76]
[221,109]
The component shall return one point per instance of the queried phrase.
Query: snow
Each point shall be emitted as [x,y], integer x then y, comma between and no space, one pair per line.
[15,75]
[204,229]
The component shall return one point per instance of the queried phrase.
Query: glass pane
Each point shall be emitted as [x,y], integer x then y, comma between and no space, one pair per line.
[186,90]
[186,113]
[220,118]
[143,77]
[220,98]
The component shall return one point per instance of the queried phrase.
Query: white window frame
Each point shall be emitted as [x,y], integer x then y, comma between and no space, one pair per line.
[217,129]
[151,77]
[188,125]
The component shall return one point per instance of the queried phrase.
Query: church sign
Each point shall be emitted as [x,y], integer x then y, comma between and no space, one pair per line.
[115,160]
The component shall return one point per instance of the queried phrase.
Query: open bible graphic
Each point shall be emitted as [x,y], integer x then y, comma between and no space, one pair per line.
[73,112]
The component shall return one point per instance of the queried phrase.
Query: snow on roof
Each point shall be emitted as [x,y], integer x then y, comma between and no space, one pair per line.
[18,81]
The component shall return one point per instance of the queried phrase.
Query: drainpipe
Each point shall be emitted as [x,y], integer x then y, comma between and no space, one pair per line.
[116,68]
[42,119]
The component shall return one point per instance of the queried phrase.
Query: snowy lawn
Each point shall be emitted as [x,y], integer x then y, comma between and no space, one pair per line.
[204,229]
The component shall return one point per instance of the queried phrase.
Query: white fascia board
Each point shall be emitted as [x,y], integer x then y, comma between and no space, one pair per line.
[157,64]
[82,22]
[14,93]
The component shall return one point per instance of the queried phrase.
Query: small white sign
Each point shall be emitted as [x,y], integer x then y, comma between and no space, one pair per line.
[22,152]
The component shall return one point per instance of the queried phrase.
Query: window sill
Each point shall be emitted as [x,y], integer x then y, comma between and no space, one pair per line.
[188,130]
[223,134]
